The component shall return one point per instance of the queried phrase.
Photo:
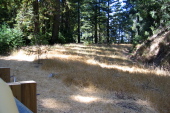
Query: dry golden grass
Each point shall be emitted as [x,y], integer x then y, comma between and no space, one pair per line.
[108,68]
[91,79]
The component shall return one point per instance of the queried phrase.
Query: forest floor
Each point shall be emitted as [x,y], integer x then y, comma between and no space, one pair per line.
[90,79]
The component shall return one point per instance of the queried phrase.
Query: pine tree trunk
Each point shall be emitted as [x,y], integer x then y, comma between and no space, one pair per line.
[36,20]
[108,37]
[99,21]
[78,21]
[95,34]
[56,23]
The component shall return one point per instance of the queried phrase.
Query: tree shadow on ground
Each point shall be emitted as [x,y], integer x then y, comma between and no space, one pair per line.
[148,85]
[76,73]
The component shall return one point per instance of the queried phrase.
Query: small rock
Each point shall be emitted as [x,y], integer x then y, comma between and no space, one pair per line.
[51,75]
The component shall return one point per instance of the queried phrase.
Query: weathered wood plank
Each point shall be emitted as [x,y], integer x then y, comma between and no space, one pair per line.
[5,74]
[16,89]
[24,91]
[28,95]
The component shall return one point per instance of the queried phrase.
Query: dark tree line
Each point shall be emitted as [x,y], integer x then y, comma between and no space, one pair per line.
[89,21]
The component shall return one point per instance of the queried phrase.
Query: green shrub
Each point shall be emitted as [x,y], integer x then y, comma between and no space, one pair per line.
[10,38]
[38,39]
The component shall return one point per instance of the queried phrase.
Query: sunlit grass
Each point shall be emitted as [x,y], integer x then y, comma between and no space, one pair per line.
[84,99]
[109,69]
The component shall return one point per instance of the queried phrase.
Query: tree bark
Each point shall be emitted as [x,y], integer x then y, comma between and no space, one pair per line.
[108,36]
[56,23]
[36,19]
[78,21]
[95,34]
[99,34]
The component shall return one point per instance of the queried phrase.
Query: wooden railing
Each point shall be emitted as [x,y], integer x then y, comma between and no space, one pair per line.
[24,91]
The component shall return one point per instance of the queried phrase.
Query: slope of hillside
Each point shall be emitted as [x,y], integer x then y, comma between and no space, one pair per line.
[155,50]
[90,79]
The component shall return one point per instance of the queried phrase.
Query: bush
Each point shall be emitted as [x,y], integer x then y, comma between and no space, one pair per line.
[38,39]
[10,38]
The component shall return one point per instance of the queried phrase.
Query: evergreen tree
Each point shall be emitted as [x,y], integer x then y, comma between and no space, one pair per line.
[66,21]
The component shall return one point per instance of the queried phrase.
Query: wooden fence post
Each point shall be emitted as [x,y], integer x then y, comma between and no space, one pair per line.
[16,89]
[28,95]
[24,91]
[5,74]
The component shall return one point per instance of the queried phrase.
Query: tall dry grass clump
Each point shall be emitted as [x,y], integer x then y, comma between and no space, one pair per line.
[108,68]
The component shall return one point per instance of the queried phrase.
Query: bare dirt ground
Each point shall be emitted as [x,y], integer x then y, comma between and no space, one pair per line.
[60,94]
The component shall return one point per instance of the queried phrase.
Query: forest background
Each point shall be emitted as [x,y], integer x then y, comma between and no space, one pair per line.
[32,22]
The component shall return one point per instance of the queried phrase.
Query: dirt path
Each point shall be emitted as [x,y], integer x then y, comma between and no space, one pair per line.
[54,96]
